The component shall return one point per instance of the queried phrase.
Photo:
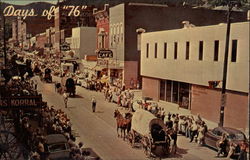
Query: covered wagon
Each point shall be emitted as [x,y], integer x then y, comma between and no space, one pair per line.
[150,132]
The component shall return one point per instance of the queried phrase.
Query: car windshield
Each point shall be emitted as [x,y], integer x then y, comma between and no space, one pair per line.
[57,147]
[236,136]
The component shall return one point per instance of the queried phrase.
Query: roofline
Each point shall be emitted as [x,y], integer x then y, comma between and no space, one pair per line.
[147,4]
[214,25]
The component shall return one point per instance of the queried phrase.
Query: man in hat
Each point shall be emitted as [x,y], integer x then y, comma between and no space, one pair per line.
[93,101]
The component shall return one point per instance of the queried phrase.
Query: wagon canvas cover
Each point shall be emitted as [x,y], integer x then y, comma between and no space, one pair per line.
[141,121]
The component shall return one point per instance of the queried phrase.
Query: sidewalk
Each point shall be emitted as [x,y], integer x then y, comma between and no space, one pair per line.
[174,108]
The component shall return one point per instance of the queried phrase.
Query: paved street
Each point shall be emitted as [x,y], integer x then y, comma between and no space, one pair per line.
[98,130]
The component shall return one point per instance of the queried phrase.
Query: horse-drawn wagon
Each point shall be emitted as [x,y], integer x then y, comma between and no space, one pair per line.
[70,87]
[150,132]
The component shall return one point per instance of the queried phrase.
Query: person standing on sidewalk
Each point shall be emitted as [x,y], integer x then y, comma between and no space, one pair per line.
[65,99]
[93,101]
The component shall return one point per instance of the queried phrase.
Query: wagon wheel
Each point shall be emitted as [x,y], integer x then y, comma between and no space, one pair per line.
[133,139]
[166,146]
[148,146]
[129,138]
[9,148]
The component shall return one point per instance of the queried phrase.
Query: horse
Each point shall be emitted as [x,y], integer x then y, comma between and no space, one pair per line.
[123,123]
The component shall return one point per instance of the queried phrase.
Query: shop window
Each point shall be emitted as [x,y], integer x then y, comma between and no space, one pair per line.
[175,92]
[216,50]
[201,50]
[184,95]
[165,50]
[187,50]
[168,91]
[162,90]
[234,51]
[175,50]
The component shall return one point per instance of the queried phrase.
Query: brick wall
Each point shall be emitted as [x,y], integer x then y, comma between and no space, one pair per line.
[130,72]
[150,88]
[206,102]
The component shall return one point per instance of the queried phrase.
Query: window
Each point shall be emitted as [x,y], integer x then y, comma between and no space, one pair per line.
[201,50]
[216,50]
[147,50]
[175,50]
[234,51]
[175,92]
[162,90]
[155,50]
[187,50]
[165,50]
[168,91]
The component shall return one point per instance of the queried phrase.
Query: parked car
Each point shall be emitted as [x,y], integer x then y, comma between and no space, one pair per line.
[80,80]
[138,103]
[233,135]
[57,147]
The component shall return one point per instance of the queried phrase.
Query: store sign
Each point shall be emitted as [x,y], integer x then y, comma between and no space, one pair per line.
[102,62]
[23,102]
[65,46]
[105,54]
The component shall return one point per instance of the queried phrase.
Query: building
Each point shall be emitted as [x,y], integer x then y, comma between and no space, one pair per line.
[41,40]
[24,29]
[102,39]
[126,18]
[64,22]
[102,27]
[176,66]
[83,41]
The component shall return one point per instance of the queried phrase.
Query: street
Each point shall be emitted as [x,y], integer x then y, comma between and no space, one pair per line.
[98,130]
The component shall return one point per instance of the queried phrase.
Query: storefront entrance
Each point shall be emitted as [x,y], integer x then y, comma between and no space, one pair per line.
[175,92]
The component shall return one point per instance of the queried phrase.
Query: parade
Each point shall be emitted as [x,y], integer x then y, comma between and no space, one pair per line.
[115,80]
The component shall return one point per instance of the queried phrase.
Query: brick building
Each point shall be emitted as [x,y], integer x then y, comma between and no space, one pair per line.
[102,38]
[176,66]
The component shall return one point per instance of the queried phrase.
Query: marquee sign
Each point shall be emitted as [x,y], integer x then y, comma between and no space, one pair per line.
[105,54]
[65,46]
[20,102]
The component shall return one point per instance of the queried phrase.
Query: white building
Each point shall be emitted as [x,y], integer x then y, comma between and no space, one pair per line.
[176,66]
[83,41]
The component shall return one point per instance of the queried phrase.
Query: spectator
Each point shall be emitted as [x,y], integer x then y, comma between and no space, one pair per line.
[65,99]
[221,145]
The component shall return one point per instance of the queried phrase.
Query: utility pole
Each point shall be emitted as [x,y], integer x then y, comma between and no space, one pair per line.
[224,80]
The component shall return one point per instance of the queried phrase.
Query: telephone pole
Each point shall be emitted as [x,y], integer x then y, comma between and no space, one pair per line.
[224,80]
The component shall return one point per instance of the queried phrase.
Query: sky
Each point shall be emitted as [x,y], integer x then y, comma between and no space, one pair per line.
[24,2]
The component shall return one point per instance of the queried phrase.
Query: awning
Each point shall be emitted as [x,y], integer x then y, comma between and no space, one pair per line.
[98,68]
[104,79]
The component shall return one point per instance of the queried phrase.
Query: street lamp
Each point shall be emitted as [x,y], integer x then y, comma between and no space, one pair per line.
[139,32]
[230,5]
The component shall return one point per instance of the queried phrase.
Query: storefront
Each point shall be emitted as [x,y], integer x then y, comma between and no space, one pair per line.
[116,76]
[175,92]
